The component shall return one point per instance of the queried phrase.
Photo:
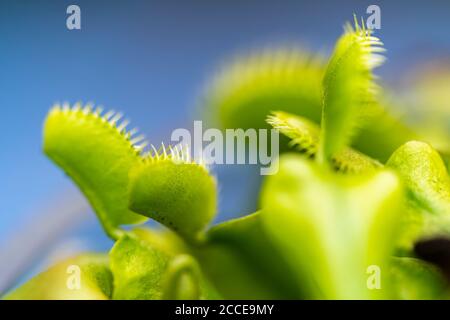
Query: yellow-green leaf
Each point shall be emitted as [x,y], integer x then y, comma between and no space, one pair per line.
[180,195]
[97,154]
[333,228]
[86,277]
[348,88]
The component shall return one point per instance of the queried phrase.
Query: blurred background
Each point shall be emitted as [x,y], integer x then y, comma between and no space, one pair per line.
[151,60]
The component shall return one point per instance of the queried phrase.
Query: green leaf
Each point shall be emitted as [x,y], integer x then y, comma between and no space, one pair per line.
[304,136]
[249,87]
[414,279]
[348,88]
[60,282]
[150,265]
[177,193]
[332,228]
[243,263]
[162,240]
[97,154]
[426,178]
[446,158]
[138,269]
[184,281]
[381,130]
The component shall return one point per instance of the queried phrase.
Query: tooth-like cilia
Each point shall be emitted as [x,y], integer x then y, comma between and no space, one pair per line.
[97,153]
[304,136]
[246,89]
[173,190]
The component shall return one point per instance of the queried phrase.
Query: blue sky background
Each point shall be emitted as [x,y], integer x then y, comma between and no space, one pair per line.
[150,60]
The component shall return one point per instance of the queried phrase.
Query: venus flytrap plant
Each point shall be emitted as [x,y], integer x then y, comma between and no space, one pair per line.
[247,89]
[349,77]
[104,161]
[181,195]
[170,188]
[417,163]
[343,228]
[324,221]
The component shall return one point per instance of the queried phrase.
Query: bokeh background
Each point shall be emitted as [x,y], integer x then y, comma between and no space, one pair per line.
[151,60]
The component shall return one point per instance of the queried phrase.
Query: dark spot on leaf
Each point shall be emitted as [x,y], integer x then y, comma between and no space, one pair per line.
[435,251]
